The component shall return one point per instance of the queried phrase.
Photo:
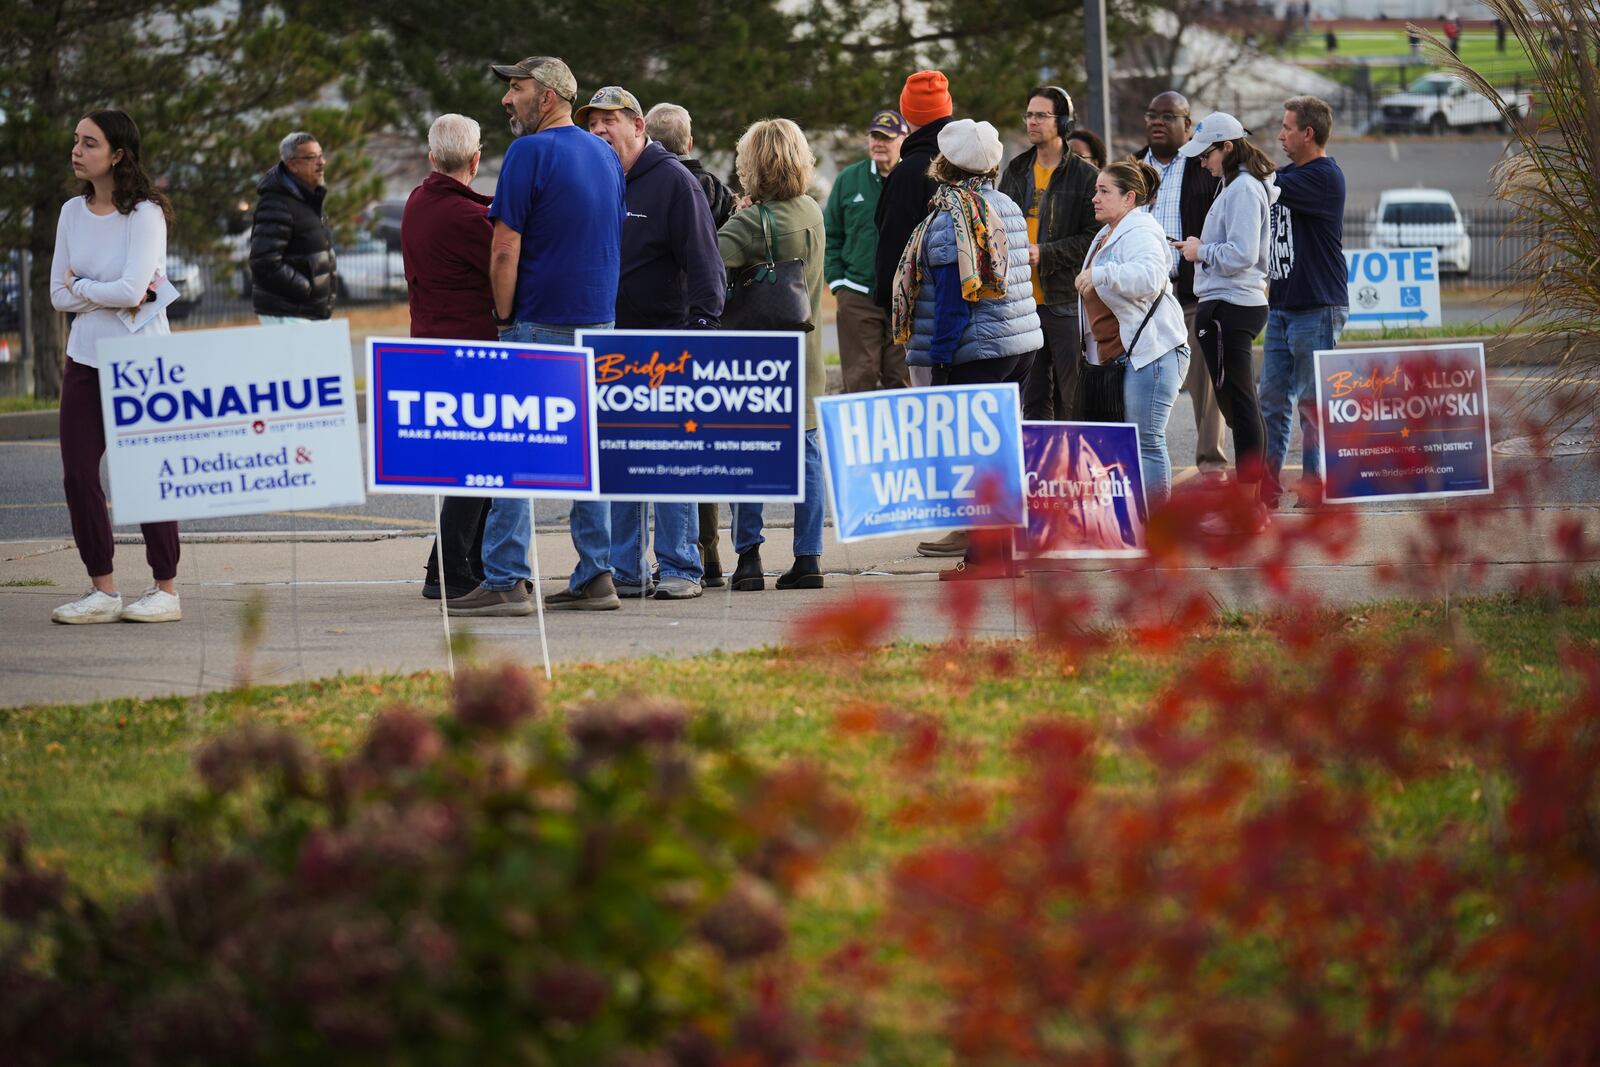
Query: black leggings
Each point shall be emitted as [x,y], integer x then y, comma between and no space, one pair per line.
[1227,333]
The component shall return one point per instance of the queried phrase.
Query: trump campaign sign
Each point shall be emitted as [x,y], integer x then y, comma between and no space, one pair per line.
[1393,286]
[210,423]
[697,415]
[480,418]
[1085,491]
[908,460]
[1404,423]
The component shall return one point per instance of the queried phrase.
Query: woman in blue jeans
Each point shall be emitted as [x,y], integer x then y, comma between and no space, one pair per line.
[775,168]
[1129,313]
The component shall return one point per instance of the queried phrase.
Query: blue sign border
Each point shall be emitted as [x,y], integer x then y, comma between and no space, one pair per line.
[1488,442]
[956,523]
[720,498]
[444,487]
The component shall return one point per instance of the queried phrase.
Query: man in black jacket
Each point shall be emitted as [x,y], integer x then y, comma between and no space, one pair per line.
[672,279]
[926,106]
[671,125]
[1185,196]
[291,248]
[1060,226]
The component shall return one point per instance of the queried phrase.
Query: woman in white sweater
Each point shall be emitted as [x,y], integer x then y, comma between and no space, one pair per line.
[1230,282]
[1129,312]
[111,242]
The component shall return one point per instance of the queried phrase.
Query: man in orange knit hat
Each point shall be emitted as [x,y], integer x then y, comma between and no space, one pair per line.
[926,106]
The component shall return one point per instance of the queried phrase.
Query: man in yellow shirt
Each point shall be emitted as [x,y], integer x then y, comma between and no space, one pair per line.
[1055,189]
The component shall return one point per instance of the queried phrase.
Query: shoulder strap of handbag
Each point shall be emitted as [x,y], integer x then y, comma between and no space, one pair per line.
[767,236]
[1140,331]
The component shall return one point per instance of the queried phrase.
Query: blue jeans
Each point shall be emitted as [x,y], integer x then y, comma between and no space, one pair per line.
[1287,377]
[509,528]
[1147,398]
[677,534]
[807,514]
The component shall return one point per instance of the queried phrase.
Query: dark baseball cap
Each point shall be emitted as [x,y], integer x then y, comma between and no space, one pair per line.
[889,123]
[609,98]
[546,70]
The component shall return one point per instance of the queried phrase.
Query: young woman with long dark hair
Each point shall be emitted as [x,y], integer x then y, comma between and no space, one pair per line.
[111,242]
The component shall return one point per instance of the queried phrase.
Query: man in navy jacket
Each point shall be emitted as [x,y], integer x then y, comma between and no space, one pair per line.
[672,279]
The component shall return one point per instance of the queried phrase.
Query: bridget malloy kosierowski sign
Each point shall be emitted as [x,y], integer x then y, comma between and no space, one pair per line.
[211,423]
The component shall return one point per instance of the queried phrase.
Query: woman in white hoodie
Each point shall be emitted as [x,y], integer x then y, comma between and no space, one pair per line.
[1129,312]
[1230,282]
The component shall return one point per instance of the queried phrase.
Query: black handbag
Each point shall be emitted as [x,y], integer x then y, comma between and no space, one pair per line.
[771,295]
[1099,394]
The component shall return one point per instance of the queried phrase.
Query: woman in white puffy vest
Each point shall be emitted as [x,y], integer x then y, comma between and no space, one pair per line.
[963,292]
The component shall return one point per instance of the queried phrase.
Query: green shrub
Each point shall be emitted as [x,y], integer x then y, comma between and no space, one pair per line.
[487,888]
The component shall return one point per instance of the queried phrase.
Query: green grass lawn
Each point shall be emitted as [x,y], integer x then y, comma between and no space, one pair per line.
[1383,47]
[11,404]
[79,776]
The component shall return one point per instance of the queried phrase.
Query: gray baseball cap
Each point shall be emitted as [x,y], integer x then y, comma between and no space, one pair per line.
[609,98]
[546,70]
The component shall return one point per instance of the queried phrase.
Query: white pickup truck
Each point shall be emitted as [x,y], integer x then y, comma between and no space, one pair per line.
[1443,102]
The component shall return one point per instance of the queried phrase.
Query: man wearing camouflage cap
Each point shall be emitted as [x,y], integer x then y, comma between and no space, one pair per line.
[553,265]
[672,279]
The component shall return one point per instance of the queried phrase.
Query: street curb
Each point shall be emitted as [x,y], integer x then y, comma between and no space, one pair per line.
[1517,350]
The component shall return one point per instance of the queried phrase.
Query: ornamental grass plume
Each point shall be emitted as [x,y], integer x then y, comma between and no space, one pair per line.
[1553,185]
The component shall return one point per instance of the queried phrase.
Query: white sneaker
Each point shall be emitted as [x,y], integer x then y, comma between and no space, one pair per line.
[93,606]
[154,606]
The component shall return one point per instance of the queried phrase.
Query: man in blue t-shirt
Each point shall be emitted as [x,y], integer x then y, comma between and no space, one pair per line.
[553,268]
[1308,297]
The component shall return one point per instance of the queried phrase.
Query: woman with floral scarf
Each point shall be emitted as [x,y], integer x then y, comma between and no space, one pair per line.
[963,292]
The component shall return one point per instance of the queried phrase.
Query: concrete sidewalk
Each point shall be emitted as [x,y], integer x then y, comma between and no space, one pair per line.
[352,603]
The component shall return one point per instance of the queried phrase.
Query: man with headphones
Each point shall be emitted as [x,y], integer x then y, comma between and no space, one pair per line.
[1055,189]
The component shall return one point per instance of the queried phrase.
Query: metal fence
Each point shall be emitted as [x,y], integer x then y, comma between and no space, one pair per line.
[1497,244]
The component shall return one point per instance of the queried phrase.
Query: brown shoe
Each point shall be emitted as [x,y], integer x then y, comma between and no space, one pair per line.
[599,595]
[952,544]
[484,601]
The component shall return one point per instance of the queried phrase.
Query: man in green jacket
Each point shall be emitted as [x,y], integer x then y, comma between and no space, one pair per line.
[1055,189]
[867,354]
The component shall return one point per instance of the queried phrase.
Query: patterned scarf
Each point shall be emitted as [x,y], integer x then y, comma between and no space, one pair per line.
[982,253]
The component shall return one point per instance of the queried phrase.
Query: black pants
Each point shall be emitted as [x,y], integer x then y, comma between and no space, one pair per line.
[1050,385]
[461,520]
[1227,334]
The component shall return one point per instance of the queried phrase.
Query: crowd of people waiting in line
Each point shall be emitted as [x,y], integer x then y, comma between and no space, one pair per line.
[1101,287]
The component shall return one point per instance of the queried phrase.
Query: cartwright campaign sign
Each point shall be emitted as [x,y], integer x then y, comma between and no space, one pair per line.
[1402,423]
[479,418]
[909,460]
[1085,491]
[212,423]
[699,415]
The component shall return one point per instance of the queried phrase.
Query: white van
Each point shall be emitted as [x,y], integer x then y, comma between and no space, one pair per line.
[1424,218]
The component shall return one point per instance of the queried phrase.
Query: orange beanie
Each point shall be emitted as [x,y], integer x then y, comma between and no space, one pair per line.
[925,98]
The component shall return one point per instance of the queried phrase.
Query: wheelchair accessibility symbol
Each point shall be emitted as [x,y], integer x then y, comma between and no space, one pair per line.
[1411,296]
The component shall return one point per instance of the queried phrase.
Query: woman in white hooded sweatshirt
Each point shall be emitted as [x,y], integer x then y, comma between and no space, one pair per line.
[1129,312]
[1230,282]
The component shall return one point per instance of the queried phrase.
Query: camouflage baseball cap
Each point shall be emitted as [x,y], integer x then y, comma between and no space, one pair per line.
[546,70]
[610,98]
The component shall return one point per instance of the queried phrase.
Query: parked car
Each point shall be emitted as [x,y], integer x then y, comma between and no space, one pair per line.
[186,277]
[369,271]
[1443,102]
[1424,218]
[383,220]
